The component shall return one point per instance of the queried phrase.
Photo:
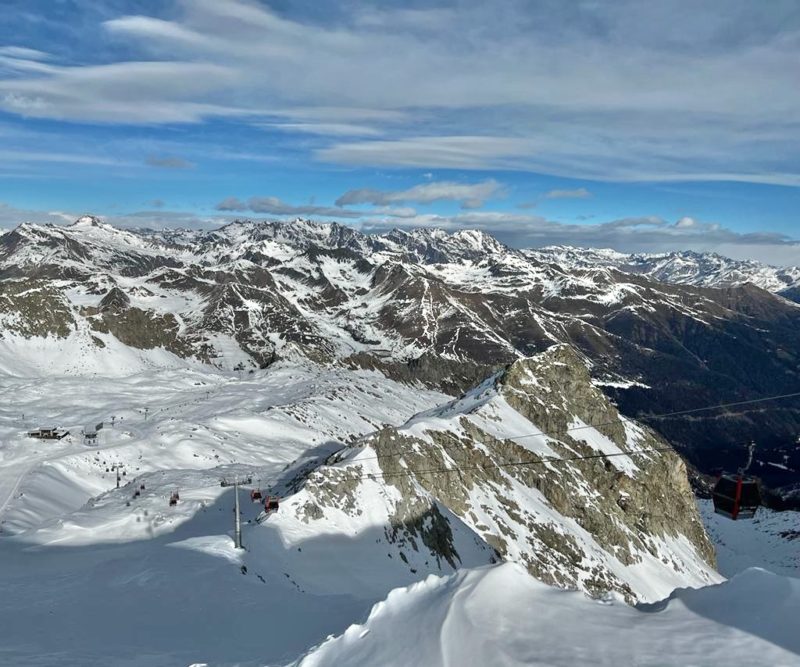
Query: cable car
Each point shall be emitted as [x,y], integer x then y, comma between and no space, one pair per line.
[255,495]
[271,504]
[737,496]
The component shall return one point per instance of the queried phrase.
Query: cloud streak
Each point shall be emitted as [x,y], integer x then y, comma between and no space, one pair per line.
[579,193]
[277,207]
[586,90]
[469,196]
[169,162]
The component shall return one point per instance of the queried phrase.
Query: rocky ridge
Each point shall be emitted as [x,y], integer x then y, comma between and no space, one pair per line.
[626,523]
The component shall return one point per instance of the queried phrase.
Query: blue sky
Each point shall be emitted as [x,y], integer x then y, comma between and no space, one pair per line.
[639,126]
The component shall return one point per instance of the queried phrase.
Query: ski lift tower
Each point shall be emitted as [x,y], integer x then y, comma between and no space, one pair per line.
[237,526]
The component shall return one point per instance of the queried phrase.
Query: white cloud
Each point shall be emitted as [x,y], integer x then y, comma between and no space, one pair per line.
[278,207]
[275,206]
[458,152]
[11,216]
[327,129]
[588,90]
[23,53]
[579,193]
[169,162]
[468,195]
[37,157]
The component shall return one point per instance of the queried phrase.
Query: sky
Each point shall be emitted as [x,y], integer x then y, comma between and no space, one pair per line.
[640,126]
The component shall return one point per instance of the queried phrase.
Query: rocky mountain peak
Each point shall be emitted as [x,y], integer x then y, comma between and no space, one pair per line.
[89,221]
[503,465]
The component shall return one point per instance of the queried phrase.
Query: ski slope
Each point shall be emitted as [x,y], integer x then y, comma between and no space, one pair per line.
[93,575]
[122,579]
[771,541]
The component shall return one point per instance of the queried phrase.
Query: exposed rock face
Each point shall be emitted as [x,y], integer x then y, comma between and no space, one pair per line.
[34,308]
[115,300]
[502,460]
[141,329]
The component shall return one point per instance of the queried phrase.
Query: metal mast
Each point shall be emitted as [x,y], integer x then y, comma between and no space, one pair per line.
[238,521]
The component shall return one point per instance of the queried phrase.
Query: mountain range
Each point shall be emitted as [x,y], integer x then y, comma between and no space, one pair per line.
[702,269]
[661,334]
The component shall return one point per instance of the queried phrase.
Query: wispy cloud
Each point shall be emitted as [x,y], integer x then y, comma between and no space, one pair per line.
[169,162]
[275,206]
[469,195]
[585,90]
[579,193]
[11,216]
[38,157]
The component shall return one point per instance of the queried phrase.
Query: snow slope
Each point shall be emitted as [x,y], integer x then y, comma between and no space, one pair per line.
[771,541]
[500,616]
[200,423]
[95,575]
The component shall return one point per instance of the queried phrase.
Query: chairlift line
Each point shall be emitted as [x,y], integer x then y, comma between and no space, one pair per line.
[719,406]
[507,464]
[744,503]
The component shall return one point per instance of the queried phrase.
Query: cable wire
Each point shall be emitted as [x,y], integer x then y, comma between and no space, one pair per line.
[665,415]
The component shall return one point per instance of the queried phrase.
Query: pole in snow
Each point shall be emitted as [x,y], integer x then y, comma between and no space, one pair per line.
[238,520]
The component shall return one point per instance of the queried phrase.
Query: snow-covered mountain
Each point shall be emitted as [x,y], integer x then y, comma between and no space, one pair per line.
[423,305]
[372,558]
[482,466]
[702,269]
[128,577]
[432,410]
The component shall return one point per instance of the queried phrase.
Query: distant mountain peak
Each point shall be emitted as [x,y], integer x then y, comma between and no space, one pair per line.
[682,267]
[89,221]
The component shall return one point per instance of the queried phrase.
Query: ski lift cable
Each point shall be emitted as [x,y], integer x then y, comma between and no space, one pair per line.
[665,415]
[507,464]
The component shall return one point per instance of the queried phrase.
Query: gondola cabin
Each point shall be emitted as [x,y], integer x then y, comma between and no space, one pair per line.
[255,495]
[271,504]
[736,496]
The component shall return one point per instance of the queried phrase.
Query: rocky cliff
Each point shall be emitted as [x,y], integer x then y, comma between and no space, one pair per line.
[537,467]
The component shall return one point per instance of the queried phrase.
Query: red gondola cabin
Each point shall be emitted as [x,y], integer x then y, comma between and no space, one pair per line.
[736,496]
